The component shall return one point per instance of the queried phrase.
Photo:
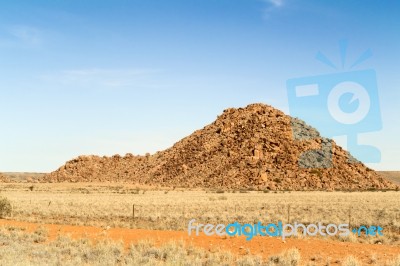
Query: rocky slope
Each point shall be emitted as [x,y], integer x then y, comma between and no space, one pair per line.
[254,147]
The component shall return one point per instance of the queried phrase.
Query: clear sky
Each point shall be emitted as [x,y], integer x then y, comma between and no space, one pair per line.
[107,77]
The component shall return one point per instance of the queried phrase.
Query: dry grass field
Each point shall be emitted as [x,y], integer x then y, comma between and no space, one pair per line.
[129,206]
[22,248]
[112,205]
[39,247]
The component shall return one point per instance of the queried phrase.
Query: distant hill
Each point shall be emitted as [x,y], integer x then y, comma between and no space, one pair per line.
[21,176]
[393,176]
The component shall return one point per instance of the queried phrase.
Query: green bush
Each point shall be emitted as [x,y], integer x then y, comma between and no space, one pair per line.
[5,207]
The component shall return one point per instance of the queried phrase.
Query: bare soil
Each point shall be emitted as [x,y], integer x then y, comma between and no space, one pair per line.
[318,251]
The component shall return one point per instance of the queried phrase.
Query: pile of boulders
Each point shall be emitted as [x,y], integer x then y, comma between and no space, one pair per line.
[255,147]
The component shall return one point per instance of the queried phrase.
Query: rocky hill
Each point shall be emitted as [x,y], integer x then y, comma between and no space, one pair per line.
[253,147]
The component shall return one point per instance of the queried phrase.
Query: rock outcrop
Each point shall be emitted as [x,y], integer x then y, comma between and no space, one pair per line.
[253,147]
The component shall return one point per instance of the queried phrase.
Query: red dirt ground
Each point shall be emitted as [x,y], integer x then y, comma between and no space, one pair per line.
[316,250]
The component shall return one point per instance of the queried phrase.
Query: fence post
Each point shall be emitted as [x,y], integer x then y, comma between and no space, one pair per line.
[350,218]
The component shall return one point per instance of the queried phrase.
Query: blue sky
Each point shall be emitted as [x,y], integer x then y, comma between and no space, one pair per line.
[107,77]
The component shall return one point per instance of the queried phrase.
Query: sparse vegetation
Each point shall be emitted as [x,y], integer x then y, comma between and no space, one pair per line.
[351,261]
[19,247]
[5,207]
[110,206]
[290,257]
[100,206]
[22,248]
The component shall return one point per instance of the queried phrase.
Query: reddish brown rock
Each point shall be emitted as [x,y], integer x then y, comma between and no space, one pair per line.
[243,148]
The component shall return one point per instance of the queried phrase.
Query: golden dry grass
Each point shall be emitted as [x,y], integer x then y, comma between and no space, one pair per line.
[112,205]
[23,248]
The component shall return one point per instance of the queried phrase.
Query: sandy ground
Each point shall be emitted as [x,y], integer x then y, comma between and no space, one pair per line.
[311,249]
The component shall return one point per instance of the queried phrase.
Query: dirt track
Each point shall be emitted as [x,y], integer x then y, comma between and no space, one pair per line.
[311,249]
